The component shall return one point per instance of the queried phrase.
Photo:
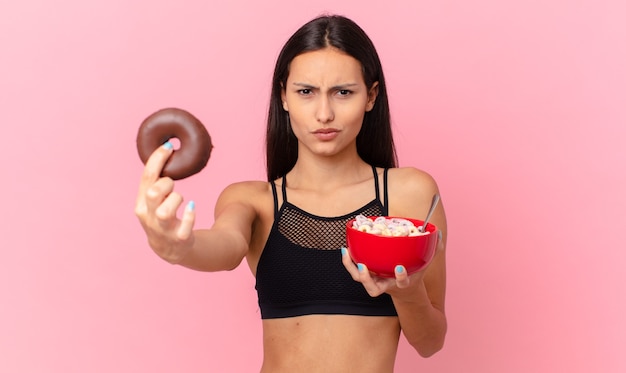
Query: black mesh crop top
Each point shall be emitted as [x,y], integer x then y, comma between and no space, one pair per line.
[300,270]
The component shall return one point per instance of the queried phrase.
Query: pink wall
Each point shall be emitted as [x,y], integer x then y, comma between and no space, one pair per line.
[517,108]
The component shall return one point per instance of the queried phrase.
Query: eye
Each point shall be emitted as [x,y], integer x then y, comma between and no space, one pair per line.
[344,92]
[304,91]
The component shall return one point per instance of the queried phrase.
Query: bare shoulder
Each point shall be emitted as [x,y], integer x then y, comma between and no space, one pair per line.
[410,191]
[413,181]
[246,193]
[246,187]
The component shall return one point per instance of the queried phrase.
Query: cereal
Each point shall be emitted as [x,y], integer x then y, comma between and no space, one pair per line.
[391,227]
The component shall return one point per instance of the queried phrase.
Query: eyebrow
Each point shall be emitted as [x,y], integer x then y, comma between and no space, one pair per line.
[340,86]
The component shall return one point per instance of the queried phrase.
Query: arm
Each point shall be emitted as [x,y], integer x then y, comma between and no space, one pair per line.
[224,246]
[420,306]
[220,248]
[419,299]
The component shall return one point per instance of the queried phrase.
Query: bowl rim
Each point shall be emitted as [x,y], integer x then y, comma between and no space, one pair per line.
[430,228]
[388,273]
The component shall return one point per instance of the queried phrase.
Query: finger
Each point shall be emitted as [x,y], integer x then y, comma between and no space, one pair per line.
[166,211]
[368,282]
[346,259]
[440,244]
[186,225]
[154,166]
[158,193]
[402,277]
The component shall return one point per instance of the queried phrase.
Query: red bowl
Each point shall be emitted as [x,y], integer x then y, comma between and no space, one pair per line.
[381,254]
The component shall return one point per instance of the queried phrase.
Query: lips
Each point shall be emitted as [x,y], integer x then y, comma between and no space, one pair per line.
[325,131]
[326,134]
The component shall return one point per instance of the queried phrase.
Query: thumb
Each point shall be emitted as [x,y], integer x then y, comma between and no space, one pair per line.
[402,277]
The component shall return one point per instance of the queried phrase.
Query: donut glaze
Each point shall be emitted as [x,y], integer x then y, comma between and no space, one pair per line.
[195,142]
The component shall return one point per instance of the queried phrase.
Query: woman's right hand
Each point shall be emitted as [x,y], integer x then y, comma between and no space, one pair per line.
[156,207]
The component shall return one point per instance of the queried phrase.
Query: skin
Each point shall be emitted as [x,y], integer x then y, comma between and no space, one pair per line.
[326,98]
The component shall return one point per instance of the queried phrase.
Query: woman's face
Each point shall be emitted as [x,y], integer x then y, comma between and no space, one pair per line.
[326,98]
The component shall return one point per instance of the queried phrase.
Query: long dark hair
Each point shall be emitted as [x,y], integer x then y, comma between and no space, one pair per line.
[375,141]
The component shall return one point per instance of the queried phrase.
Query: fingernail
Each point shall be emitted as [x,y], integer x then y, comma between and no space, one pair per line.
[399,269]
[191,206]
[361,267]
[439,235]
[343,251]
[168,145]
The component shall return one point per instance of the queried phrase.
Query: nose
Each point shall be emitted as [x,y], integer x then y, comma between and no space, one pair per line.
[325,111]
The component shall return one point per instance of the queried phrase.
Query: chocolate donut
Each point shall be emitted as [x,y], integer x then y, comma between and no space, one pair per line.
[195,142]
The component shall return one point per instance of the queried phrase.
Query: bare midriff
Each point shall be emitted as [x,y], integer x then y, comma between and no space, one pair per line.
[330,343]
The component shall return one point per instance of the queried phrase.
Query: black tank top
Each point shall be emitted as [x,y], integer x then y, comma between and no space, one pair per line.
[300,270]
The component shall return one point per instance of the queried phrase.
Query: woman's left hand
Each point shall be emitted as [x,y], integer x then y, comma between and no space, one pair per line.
[375,285]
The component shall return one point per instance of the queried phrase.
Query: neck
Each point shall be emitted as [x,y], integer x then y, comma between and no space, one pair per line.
[326,173]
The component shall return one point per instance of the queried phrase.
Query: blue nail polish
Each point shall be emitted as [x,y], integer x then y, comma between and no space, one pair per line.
[191,205]
[361,267]
[168,145]
[399,269]
[343,251]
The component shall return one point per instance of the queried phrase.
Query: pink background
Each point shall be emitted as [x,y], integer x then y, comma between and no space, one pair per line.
[516,107]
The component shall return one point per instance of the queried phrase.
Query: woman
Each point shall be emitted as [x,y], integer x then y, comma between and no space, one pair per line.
[330,156]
